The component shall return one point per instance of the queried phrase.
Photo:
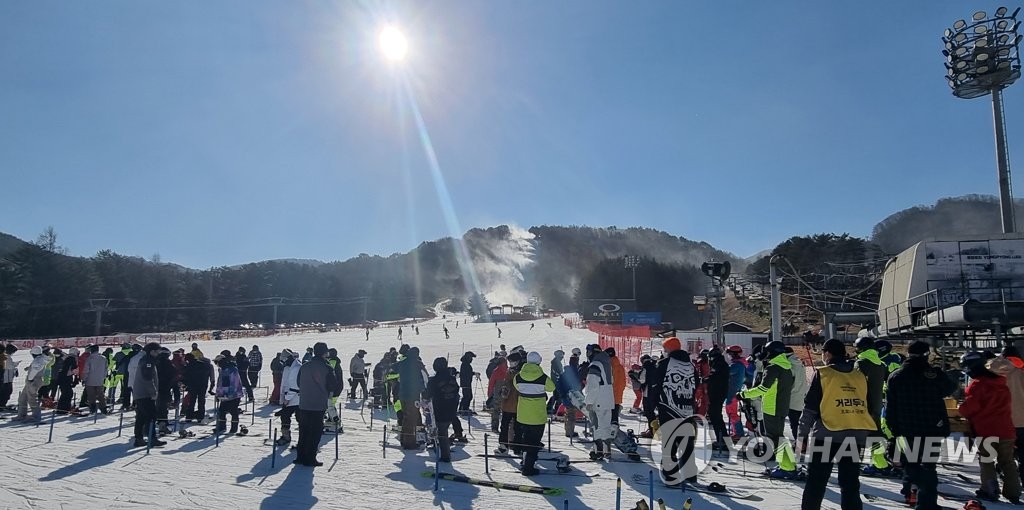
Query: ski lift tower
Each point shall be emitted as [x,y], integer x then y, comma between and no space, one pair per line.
[983,57]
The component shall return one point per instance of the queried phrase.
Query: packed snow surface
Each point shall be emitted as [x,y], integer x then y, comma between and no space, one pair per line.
[87,465]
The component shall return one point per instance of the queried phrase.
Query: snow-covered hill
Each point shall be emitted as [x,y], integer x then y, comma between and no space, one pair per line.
[88,466]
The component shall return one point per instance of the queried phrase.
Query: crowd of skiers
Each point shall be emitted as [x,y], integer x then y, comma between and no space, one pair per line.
[875,401]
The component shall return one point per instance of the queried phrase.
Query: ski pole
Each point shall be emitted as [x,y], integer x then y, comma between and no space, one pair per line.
[487,456]
[437,478]
[95,416]
[120,423]
[270,425]
[177,404]
[650,488]
[152,436]
[371,419]
[565,504]
[384,443]
[253,413]
[336,434]
[618,493]
[549,434]
[53,416]
[273,451]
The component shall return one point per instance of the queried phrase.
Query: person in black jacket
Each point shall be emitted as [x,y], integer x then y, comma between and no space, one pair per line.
[466,382]
[166,379]
[443,392]
[916,415]
[242,362]
[64,371]
[718,391]
[276,370]
[196,377]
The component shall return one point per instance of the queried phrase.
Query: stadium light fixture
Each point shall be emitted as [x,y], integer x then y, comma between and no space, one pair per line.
[982,58]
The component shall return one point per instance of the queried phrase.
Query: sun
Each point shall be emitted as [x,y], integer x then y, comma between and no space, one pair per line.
[393,44]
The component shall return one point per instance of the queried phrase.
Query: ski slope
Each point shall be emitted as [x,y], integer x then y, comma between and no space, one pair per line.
[88,466]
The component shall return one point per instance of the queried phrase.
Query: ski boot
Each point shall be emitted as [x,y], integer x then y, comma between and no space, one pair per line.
[285,439]
[783,474]
[562,464]
[876,472]
[162,429]
[910,497]
[242,430]
[647,434]
[459,438]
[182,434]
[501,450]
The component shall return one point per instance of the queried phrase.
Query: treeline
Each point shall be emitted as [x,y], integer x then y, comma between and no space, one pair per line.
[45,293]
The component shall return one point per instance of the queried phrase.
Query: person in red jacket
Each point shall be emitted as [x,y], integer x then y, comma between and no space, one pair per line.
[499,373]
[987,407]
[81,372]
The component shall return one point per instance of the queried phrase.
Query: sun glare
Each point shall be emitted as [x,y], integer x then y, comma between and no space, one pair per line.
[393,44]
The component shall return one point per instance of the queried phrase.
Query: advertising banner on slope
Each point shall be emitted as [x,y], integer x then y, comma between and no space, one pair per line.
[641,319]
[606,310]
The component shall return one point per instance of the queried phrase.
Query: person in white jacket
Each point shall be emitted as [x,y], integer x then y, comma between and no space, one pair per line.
[29,396]
[599,400]
[799,393]
[10,373]
[289,395]
[357,369]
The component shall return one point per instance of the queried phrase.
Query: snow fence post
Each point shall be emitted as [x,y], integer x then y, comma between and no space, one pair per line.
[618,493]
[270,425]
[487,456]
[273,450]
[650,488]
[53,416]
[120,423]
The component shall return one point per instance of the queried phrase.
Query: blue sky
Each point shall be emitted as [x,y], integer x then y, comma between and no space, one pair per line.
[217,133]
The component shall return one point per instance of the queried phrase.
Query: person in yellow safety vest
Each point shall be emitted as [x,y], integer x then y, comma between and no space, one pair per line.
[834,426]
[333,418]
[531,411]
[775,391]
[871,365]
[112,382]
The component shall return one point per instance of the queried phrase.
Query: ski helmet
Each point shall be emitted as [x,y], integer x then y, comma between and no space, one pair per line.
[883,347]
[735,349]
[36,351]
[971,359]
[774,348]
[864,343]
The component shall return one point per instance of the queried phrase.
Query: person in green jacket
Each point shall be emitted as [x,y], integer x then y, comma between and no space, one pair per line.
[531,412]
[871,365]
[774,391]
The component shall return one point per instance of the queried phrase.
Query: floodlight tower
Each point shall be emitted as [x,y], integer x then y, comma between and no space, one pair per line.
[632,262]
[983,57]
